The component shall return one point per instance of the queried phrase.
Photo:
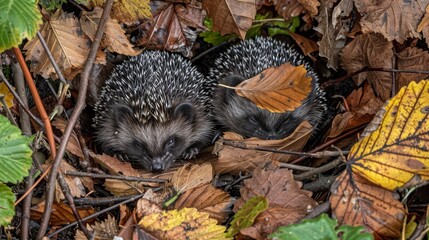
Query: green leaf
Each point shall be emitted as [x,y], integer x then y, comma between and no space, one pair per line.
[216,38]
[322,227]
[52,4]
[7,210]
[246,215]
[15,153]
[19,19]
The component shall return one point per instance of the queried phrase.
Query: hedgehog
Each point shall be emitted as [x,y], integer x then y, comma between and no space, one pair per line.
[238,114]
[154,109]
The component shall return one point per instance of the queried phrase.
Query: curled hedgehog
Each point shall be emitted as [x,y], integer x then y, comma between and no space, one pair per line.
[238,114]
[154,109]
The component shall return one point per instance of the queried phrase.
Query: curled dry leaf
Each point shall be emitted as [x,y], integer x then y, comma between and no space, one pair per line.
[277,89]
[395,20]
[233,159]
[131,12]
[114,38]
[206,198]
[101,230]
[186,223]
[396,154]
[192,175]
[373,51]
[174,27]
[363,105]
[61,213]
[68,45]
[279,187]
[334,24]
[355,201]
[231,16]
[423,26]
[292,8]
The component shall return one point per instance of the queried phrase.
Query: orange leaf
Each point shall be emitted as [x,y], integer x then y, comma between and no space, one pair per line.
[277,89]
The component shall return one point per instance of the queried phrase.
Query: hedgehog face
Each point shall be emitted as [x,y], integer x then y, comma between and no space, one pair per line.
[151,145]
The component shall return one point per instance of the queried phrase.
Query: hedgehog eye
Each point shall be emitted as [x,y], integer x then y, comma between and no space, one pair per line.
[170,142]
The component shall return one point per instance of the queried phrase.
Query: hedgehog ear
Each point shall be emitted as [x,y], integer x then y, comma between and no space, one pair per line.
[185,110]
[121,112]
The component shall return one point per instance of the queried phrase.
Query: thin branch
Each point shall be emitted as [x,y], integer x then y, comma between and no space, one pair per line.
[73,118]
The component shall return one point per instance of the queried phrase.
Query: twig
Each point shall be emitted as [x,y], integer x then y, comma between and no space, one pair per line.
[51,58]
[18,98]
[107,176]
[66,190]
[37,101]
[242,145]
[322,208]
[73,118]
[135,197]
[321,169]
[101,201]
[25,124]
[296,167]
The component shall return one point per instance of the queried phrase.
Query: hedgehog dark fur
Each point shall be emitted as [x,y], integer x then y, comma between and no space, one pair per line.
[245,60]
[153,109]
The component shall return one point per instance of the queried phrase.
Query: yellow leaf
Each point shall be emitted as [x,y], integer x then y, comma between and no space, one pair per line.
[187,223]
[8,97]
[277,89]
[130,12]
[396,154]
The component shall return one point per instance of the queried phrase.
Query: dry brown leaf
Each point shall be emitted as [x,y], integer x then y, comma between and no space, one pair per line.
[363,105]
[123,188]
[206,198]
[394,19]
[68,45]
[76,184]
[355,201]
[131,12]
[192,175]
[231,16]
[101,230]
[268,221]
[61,213]
[373,51]
[292,8]
[277,89]
[174,27]
[114,38]
[307,45]
[333,25]
[279,187]
[232,159]
[114,165]
[423,26]
[73,144]
[146,207]
[412,58]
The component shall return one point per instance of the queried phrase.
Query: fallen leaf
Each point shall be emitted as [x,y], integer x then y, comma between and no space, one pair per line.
[67,43]
[411,58]
[277,89]
[355,201]
[396,154]
[186,223]
[123,188]
[61,213]
[395,20]
[206,198]
[423,26]
[306,45]
[372,51]
[233,160]
[293,8]
[8,97]
[192,175]
[101,230]
[363,105]
[174,27]
[73,144]
[131,12]
[231,16]
[279,187]
[114,38]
